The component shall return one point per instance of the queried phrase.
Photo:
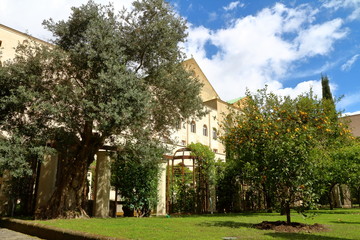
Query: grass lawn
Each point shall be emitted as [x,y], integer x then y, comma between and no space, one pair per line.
[343,224]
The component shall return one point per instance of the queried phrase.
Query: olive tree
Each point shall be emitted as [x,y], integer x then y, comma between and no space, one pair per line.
[104,77]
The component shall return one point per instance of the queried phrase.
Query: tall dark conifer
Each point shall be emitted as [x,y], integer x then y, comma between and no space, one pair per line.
[326,92]
[328,101]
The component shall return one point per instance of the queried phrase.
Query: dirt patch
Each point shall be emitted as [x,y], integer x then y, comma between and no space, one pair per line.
[282,226]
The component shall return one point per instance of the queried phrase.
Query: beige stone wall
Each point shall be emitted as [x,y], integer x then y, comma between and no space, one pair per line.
[10,38]
[47,180]
[354,124]
[217,108]
[184,136]
[208,92]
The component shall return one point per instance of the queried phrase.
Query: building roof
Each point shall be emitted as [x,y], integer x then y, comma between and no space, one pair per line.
[23,34]
[234,100]
[208,92]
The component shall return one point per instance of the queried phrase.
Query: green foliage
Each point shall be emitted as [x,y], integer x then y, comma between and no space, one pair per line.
[135,173]
[183,193]
[192,189]
[339,166]
[326,92]
[19,160]
[226,186]
[205,159]
[273,141]
[347,160]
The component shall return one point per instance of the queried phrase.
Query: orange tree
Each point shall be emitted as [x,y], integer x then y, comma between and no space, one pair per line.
[274,142]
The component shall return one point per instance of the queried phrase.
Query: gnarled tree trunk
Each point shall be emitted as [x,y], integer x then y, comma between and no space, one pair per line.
[69,199]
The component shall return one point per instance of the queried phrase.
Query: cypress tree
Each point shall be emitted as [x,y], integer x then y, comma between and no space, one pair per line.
[326,92]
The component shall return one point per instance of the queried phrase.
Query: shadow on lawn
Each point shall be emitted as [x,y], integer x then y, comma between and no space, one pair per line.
[302,236]
[174,215]
[229,224]
[344,222]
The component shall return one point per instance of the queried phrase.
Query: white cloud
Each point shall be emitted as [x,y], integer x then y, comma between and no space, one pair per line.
[351,113]
[30,14]
[303,87]
[353,5]
[256,50]
[319,39]
[212,16]
[233,5]
[347,66]
[196,41]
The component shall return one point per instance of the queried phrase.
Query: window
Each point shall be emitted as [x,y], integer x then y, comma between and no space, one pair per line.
[215,150]
[183,142]
[214,133]
[205,130]
[0,43]
[193,127]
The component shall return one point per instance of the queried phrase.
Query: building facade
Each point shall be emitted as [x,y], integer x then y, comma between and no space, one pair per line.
[205,130]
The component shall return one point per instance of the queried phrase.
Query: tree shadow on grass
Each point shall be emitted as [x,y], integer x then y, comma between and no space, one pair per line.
[228,224]
[301,236]
[174,215]
[345,222]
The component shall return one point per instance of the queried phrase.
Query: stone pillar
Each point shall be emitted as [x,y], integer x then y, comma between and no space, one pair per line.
[345,190]
[47,180]
[341,196]
[336,196]
[102,185]
[161,206]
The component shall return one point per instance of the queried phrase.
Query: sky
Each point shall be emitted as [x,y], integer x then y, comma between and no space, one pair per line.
[248,44]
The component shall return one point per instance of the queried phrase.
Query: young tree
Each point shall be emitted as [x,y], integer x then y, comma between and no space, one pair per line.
[105,77]
[272,141]
[135,173]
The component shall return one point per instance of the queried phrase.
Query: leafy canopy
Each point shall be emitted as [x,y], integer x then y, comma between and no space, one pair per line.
[106,77]
[272,141]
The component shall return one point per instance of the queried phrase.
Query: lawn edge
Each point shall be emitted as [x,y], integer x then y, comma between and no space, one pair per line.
[48,232]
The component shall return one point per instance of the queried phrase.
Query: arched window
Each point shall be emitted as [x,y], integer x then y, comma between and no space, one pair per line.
[193,127]
[205,130]
[214,133]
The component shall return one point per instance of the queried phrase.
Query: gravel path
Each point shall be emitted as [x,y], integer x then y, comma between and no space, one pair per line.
[6,234]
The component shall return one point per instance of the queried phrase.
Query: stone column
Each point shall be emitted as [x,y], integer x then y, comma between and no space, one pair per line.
[345,190]
[161,206]
[102,185]
[47,180]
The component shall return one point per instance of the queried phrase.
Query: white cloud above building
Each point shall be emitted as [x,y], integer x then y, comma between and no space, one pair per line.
[262,49]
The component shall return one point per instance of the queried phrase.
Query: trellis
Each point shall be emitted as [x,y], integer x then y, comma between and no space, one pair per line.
[184,159]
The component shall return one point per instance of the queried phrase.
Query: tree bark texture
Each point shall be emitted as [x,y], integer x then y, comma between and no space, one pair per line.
[69,199]
[287,211]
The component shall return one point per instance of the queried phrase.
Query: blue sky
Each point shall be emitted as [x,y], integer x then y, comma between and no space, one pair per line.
[248,44]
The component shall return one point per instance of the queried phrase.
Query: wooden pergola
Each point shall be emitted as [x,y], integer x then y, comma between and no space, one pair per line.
[183,159]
